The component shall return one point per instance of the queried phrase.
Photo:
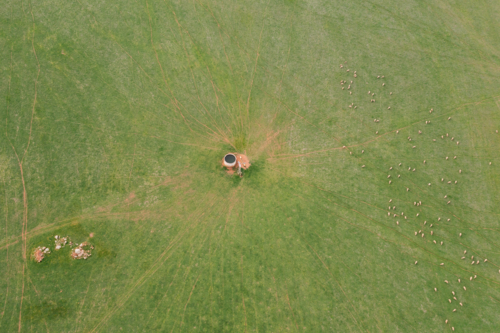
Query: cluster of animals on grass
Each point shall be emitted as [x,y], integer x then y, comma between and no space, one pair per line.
[457,290]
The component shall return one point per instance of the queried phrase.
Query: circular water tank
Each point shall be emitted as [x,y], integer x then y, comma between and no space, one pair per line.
[229,160]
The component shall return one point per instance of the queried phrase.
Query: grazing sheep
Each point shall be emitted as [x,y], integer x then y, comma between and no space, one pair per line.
[446,321]
[432,233]
[417,214]
[383,84]
[441,242]
[446,157]
[442,264]
[475,276]
[399,164]
[434,140]
[458,280]
[390,168]
[399,176]
[472,263]
[472,257]
[449,220]
[434,242]
[446,281]
[362,151]
[378,77]
[390,200]
[416,233]
[453,293]
[429,184]
[362,166]
[461,304]
[389,108]
[454,157]
[416,262]
[435,289]
[465,251]
[439,219]
[419,132]
[460,235]
[397,222]
[391,94]
[470,278]
[448,202]
[442,179]
[350,92]
[397,132]
[453,328]
[465,288]
[454,310]
[449,118]
[422,235]
[463,258]
[431,225]
[407,189]
[477,262]
[388,214]
[390,182]
[485,260]
[369,92]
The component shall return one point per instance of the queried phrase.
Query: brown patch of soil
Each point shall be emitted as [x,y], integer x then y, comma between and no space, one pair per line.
[39,255]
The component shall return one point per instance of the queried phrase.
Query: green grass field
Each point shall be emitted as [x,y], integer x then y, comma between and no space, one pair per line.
[115,116]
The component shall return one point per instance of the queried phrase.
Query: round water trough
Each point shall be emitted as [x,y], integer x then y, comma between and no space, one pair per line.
[229,160]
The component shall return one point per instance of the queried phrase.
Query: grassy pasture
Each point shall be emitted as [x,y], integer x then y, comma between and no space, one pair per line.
[115,117]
